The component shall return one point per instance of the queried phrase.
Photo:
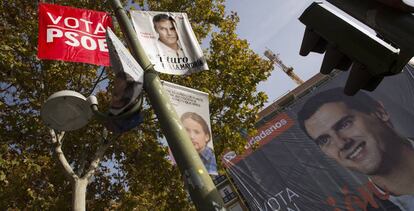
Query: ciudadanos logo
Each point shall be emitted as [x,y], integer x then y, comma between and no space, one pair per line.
[270,130]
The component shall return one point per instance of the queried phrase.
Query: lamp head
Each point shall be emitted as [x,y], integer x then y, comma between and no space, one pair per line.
[66,111]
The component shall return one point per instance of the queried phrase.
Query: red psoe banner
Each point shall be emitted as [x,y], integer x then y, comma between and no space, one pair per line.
[72,34]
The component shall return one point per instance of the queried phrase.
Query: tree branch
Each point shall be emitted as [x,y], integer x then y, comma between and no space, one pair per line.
[82,162]
[57,140]
[99,155]
[79,81]
[2,90]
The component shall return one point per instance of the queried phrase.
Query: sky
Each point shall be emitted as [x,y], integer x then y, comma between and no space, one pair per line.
[274,24]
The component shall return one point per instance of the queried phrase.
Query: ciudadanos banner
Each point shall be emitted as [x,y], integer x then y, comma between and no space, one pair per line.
[72,34]
[333,152]
[169,42]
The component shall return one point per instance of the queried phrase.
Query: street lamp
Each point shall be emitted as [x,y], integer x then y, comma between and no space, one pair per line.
[69,110]
[66,111]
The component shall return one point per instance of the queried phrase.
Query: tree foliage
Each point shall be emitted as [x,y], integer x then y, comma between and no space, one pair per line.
[135,173]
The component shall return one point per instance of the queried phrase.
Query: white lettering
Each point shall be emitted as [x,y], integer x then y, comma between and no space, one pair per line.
[54,21]
[51,33]
[291,194]
[270,204]
[99,29]
[268,132]
[278,125]
[75,21]
[280,195]
[71,36]
[102,45]
[72,39]
[265,132]
[87,23]
[84,42]
[273,202]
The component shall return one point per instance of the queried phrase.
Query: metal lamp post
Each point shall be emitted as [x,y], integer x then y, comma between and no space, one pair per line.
[68,110]
[201,187]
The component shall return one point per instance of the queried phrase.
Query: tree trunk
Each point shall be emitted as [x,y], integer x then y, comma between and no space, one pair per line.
[79,185]
[79,194]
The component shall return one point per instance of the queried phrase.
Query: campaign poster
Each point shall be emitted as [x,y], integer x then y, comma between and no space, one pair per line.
[329,151]
[192,107]
[72,34]
[169,42]
[129,75]
[128,83]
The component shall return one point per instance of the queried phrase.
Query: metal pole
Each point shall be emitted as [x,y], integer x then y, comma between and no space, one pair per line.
[200,185]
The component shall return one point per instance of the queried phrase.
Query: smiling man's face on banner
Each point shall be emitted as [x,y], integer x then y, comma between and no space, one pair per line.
[167,33]
[355,139]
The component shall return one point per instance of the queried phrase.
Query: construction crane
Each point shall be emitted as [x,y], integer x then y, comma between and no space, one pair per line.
[288,70]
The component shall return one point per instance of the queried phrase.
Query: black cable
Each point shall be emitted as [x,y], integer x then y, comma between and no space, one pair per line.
[97,81]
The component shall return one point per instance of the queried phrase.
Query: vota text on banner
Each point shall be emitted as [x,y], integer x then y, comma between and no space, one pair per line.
[72,34]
